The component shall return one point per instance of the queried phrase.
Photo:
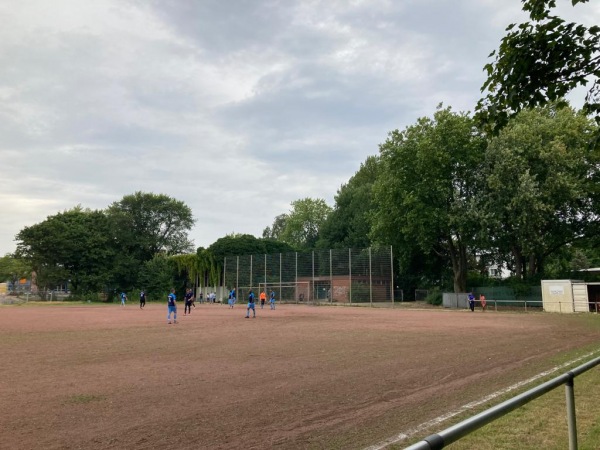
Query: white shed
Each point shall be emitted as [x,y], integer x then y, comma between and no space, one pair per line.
[567,296]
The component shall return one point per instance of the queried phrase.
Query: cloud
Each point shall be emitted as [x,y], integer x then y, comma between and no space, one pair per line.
[237,108]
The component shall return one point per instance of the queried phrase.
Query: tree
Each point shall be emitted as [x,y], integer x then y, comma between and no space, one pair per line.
[425,191]
[75,245]
[158,275]
[145,224]
[539,62]
[234,245]
[348,225]
[540,177]
[276,230]
[304,221]
[157,222]
[13,269]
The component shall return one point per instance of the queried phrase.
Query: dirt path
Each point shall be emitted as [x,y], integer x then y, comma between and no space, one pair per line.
[297,377]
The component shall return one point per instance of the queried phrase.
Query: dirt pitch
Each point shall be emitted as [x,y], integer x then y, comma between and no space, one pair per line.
[107,377]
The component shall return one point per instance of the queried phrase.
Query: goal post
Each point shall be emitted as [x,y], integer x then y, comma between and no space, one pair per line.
[290,292]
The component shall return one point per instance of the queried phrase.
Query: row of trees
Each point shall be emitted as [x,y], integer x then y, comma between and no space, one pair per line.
[140,242]
[448,196]
[516,185]
[103,250]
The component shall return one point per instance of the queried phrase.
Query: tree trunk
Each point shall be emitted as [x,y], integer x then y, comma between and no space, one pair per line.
[458,256]
[518,257]
[532,266]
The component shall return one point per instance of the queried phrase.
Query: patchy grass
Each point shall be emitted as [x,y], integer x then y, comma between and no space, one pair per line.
[541,423]
[84,398]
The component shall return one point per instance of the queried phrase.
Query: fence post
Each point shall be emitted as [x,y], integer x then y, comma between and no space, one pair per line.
[224,275]
[330,276]
[350,274]
[525,305]
[571,420]
[370,281]
[280,264]
[313,275]
[392,272]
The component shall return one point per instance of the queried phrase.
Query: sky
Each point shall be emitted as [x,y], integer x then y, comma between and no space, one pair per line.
[236,108]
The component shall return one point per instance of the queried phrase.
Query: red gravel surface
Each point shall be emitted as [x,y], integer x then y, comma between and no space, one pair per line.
[111,377]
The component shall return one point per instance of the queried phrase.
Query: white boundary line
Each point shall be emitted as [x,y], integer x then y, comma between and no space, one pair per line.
[431,423]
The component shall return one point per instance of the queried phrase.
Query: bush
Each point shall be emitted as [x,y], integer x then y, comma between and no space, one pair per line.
[435,297]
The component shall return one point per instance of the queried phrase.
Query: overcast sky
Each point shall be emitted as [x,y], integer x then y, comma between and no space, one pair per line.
[235,107]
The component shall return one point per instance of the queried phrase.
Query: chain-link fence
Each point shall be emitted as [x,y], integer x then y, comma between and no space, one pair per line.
[344,276]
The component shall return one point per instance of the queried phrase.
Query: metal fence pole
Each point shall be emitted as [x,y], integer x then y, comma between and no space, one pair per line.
[571,420]
[280,264]
[467,426]
[370,280]
[237,277]
[296,279]
[224,271]
[330,276]
[313,274]
[265,272]
[250,271]
[350,274]
[392,272]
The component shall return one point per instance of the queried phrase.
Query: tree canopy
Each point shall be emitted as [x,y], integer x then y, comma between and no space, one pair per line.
[425,192]
[104,250]
[74,245]
[540,176]
[349,223]
[13,269]
[157,222]
[540,61]
[304,221]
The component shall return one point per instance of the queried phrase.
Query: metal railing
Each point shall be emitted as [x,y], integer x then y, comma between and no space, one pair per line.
[454,433]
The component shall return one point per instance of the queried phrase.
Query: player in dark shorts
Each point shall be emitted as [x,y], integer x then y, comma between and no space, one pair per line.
[250,305]
[189,296]
[142,299]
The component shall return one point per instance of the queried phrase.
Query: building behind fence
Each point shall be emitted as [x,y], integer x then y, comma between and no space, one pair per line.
[341,276]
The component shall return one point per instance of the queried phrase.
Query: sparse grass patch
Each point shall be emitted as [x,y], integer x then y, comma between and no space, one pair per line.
[542,423]
[85,398]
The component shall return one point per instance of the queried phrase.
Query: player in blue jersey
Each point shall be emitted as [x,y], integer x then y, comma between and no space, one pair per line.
[272,299]
[250,305]
[172,306]
[142,299]
[123,298]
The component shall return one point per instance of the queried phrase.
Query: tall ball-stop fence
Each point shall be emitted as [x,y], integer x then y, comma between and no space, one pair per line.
[342,276]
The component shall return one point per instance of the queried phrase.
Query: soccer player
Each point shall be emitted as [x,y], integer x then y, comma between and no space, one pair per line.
[123,298]
[263,299]
[472,302]
[232,295]
[483,302]
[272,299]
[250,305]
[187,308]
[172,306]
[142,299]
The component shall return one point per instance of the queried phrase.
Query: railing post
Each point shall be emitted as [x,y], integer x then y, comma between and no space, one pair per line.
[571,419]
